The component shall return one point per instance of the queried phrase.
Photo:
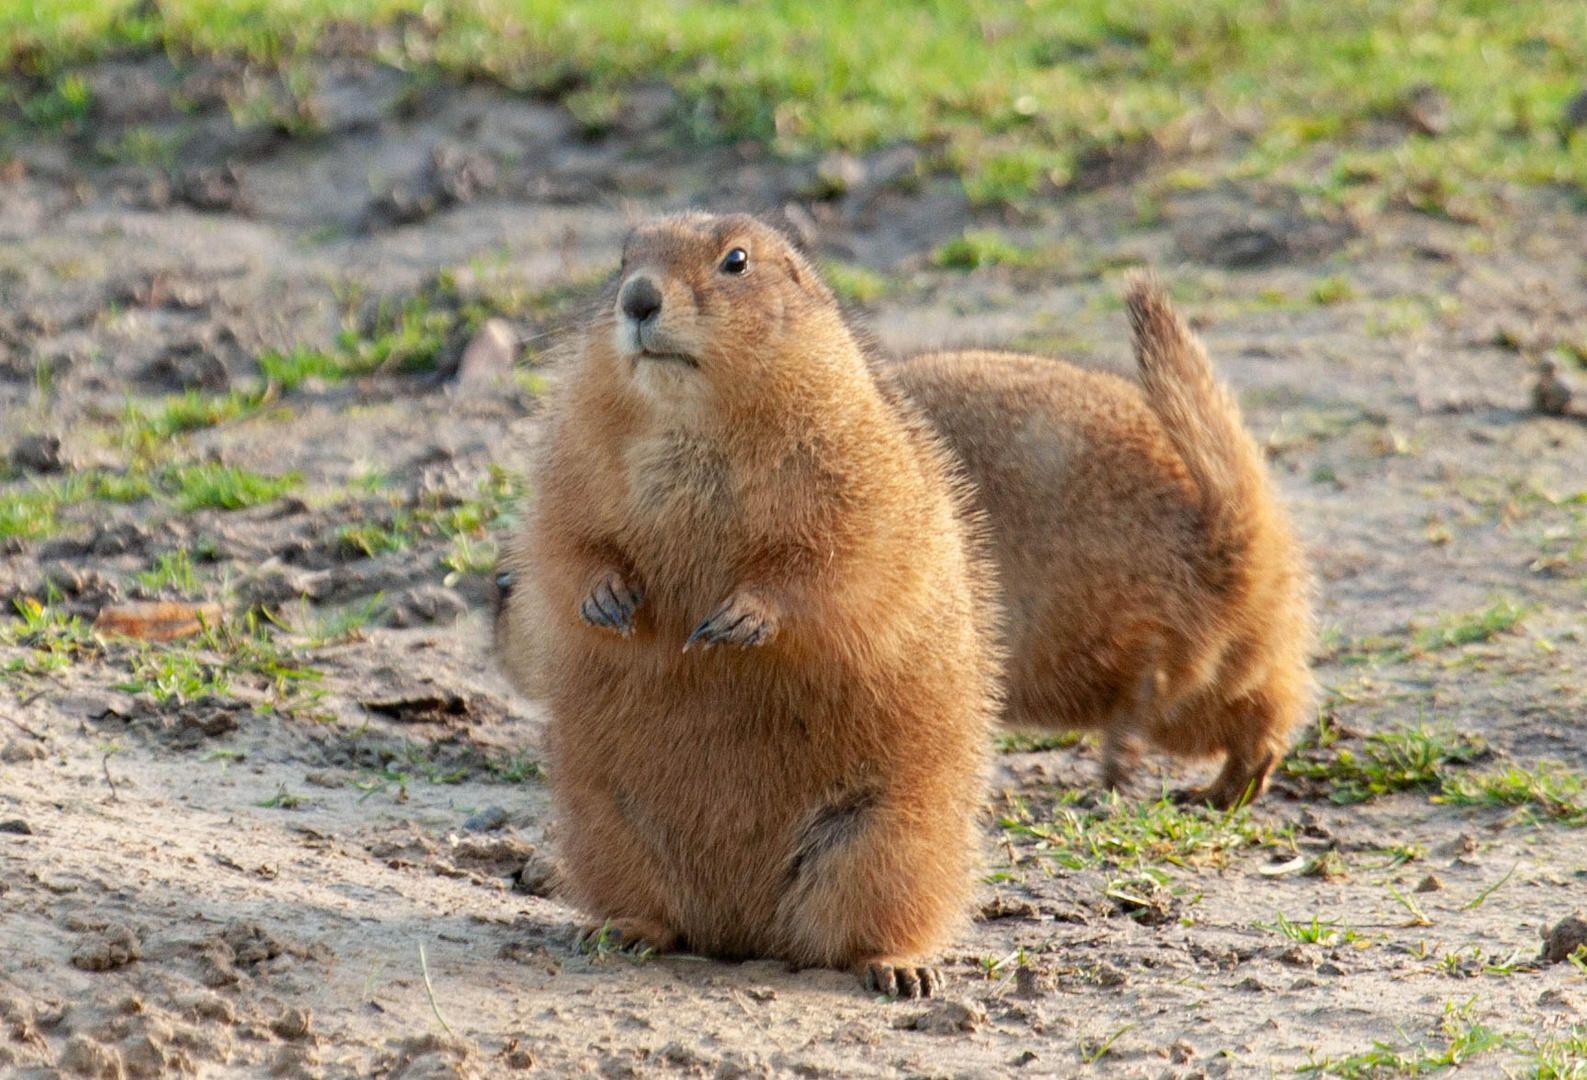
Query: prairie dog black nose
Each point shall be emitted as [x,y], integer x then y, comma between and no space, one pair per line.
[640,299]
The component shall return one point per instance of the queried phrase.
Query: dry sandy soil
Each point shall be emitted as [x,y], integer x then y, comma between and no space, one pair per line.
[345,879]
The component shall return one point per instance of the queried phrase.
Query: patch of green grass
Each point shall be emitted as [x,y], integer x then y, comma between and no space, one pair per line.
[126,487]
[1470,628]
[174,570]
[409,335]
[61,107]
[370,538]
[855,284]
[282,800]
[978,248]
[319,628]
[489,508]
[289,370]
[1316,932]
[1115,832]
[1030,742]
[514,768]
[1334,289]
[191,411]
[1548,790]
[33,512]
[210,662]
[141,146]
[1012,94]
[1560,1056]
[1093,1050]
[47,639]
[224,487]
[468,555]
[1409,759]
[179,673]
[1462,1038]
[402,335]
[28,514]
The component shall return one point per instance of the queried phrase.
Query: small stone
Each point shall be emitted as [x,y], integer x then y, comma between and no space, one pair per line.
[1032,983]
[16,826]
[215,188]
[20,752]
[486,820]
[1426,109]
[1464,844]
[293,1024]
[427,604]
[487,362]
[537,878]
[204,1006]
[1108,975]
[1299,954]
[61,547]
[86,1058]
[119,538]
[1550,395]
[146,1059]
[495,856]
[1008,907]
[296,1063]
[1328,967]
[1252,983]
[837,174]
[1576,110]
[949,1018]
[115,946]
[516,1057]
[1430,883]
[1568,935]
[37,454]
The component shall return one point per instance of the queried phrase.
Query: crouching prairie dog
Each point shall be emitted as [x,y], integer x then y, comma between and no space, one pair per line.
[1153,587]
[752,598]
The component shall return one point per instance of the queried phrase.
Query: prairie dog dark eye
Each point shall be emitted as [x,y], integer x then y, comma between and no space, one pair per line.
[736,261]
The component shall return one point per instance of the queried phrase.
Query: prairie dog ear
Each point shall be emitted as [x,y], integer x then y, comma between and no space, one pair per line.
[794,225]
[807,279]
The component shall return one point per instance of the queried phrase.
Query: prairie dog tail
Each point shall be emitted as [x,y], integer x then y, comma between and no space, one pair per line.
[1203,422]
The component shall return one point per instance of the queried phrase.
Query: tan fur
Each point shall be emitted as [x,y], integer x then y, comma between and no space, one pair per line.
[1153,587]
[807,788]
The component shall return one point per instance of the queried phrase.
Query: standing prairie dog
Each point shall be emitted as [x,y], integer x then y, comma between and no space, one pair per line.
[1153,587]
[752,597]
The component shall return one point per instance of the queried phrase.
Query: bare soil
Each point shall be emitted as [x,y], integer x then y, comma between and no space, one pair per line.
[217,887]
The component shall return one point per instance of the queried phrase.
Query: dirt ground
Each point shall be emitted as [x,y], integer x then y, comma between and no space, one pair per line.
[344,881]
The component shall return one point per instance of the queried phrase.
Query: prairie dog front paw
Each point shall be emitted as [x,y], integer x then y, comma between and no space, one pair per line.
[611,603]
[745,620]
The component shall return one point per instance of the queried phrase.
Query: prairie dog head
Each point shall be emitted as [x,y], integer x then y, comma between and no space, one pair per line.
[709,310]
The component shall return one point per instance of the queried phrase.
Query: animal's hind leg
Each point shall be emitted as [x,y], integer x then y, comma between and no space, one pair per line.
[616,862]
[872,885]
[1121,739]
[1242,780]
[1254,734]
